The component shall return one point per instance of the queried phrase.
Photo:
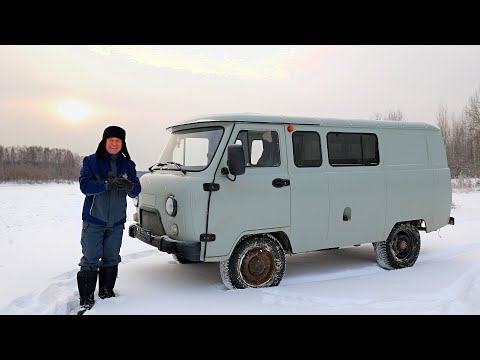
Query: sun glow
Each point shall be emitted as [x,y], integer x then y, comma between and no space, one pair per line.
[73,110]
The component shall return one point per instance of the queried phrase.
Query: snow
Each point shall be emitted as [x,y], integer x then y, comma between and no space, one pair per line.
[40,250]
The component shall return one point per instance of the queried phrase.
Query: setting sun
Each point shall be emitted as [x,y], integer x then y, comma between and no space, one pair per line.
[73,110]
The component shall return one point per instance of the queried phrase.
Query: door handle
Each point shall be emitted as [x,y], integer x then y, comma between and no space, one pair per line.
[280,182]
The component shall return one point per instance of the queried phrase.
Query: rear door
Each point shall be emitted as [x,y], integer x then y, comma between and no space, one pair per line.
[357,188]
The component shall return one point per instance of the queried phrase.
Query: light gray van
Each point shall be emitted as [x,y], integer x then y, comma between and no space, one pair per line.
[244,190]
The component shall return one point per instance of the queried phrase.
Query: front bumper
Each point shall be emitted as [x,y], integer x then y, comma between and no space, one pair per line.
[187,249]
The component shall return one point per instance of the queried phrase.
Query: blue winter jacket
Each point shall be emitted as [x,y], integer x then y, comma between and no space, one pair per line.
[101,206]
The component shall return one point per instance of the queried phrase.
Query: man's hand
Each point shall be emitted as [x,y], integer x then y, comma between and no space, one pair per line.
[124,184]
[112,183]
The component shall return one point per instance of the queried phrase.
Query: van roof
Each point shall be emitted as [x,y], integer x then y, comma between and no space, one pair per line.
[284,119]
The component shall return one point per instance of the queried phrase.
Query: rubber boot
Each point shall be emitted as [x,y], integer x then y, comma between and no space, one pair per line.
[106,281]
[86,281]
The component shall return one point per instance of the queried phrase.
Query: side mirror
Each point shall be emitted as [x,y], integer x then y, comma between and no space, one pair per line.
[236,159]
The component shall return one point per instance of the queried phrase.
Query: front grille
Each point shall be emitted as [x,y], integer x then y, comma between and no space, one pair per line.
[151,221]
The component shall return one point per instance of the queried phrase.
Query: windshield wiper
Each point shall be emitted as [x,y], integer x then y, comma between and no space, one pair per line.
[178,166]
[154,165]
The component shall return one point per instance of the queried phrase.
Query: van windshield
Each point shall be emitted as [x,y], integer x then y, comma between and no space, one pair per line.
[192,149]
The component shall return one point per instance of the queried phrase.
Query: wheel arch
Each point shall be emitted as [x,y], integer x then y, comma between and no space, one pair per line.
[281,236]
[420,224]
[284,240]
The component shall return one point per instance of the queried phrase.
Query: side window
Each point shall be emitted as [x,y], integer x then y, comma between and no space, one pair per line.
[370,149]
[261,148]
[352,149]
[306,149]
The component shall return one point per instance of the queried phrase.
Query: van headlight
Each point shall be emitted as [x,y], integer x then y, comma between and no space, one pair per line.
[135,201]
[171,205]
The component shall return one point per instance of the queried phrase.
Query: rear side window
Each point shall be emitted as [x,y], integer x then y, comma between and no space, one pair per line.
[306,149]
[352,149]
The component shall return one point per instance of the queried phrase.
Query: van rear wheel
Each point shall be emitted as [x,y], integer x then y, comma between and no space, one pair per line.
[401,249]
[257,261]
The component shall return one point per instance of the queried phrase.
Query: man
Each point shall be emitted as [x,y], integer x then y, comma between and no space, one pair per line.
[106,178]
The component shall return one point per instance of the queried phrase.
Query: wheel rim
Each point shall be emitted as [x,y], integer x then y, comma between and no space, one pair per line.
[257,266]
[402,246]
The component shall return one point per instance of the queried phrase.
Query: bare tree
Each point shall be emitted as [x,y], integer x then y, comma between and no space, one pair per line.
[472,110]
[472,116]
[392,115]
[442,122]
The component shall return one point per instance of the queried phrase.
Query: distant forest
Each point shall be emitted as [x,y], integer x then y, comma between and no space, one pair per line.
[38,164]
[461,135]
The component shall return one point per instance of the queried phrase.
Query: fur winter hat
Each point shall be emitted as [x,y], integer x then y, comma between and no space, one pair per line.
[113,131]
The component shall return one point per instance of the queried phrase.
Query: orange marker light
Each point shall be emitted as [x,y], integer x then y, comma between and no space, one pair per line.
[290,128]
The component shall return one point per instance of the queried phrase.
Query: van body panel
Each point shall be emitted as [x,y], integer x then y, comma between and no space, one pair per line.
[442,190]
[441,199]
[363,191]
[409,177]
[192,201]
[409,195]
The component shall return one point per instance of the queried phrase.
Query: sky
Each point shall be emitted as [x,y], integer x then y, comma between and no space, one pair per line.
[62,96]
[40,249]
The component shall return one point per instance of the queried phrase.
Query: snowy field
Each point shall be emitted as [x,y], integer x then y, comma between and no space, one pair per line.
[40,250]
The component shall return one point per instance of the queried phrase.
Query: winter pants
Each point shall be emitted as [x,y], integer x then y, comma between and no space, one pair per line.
[100,246]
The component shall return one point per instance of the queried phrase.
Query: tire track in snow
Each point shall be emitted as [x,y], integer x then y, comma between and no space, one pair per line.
[431,257]
[435,256]
[289,301]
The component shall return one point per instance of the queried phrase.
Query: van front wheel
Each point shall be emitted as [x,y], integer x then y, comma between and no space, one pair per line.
[257,261]
[401,249]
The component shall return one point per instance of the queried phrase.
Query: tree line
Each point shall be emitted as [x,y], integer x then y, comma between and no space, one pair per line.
[38,164]
[461,135]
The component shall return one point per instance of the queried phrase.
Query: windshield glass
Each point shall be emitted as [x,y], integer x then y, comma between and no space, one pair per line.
[193,149]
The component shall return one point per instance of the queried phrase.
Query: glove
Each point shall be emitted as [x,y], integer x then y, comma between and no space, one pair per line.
[111,183]
[124,184]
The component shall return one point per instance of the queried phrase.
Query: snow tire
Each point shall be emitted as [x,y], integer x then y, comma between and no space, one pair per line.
[401,249]
[257,261]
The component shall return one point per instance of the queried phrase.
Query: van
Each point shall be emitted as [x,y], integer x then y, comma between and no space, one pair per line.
[245,190]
